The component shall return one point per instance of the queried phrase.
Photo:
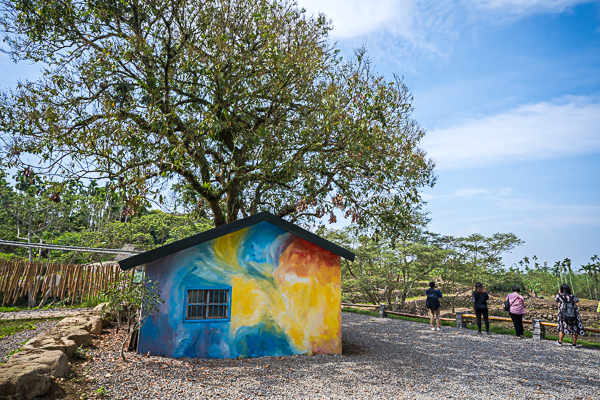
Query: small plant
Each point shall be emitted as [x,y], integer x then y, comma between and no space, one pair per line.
[75,378]
[81,353]
[101,392]
[131,305]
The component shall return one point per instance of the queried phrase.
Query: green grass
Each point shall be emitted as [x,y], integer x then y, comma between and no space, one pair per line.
[88,303]
[493,328]
[12,309]
[11,326]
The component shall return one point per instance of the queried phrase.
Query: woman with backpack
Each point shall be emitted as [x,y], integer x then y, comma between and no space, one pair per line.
[569,320]
[433,304]
[516,309]
[480,298]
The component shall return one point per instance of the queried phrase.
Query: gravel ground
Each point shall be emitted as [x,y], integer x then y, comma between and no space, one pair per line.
[12,342]
[383,358]
[50,313]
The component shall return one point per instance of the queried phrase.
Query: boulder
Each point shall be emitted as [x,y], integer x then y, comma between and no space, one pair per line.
[88,322]
[101,308]
[56,361]
[23,381]
[79,336]
[52,342]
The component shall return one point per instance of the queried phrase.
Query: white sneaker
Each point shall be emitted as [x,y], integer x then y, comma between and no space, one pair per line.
[433,329]
[439,329]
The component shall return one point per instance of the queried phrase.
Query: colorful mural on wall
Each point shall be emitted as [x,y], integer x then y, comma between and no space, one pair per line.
[285,298]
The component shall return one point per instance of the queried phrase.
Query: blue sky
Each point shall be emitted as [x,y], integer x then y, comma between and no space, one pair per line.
[509,92]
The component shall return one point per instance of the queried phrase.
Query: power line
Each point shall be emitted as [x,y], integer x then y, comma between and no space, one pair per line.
[69,248]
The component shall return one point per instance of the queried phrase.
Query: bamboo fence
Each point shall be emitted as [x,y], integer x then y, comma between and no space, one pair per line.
[77,282]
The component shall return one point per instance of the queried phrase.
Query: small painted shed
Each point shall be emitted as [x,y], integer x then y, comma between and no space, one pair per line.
[259,286]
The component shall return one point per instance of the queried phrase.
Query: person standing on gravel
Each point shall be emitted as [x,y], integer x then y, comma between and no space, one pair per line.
[569,320]
[433,304]
[517,310]
[480,299]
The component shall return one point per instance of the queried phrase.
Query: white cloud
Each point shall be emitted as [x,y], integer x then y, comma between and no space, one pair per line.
[401,29]
[524,7]
[543,130]
[467,193]
[392,28]
[352,18]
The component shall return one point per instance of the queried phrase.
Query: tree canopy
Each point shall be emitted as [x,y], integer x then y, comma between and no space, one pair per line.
[240,106]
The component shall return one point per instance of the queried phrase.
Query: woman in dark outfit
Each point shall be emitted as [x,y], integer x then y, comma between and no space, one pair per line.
[573,327]
[433,304]
[480,298]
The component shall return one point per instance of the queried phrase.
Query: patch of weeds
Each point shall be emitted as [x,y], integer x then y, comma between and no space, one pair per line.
[101,392]
[17,350]
[75,378]
[11,326]
[81,354]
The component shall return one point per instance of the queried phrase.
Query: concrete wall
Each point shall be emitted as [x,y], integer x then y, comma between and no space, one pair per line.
[285,298]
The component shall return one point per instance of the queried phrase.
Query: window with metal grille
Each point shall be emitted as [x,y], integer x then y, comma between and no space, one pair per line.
[207,304]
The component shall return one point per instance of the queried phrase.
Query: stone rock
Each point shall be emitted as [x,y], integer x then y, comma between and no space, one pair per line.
[23,381]
[102,310]
[56,361]
[79,336]
[52,342]
[88,322]
[101,307]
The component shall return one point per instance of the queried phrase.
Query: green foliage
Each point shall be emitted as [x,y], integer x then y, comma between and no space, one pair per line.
[146,232]
[85,216]
[246,105]
[132,305]
[392,263]
[539,278]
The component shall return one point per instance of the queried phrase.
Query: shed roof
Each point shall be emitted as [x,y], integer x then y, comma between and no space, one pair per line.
[226,229]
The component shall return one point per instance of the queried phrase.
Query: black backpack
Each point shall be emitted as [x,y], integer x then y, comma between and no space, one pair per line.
[432,301]
[568,311]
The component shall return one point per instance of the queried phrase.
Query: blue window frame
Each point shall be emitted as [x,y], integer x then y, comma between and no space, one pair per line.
[209,304]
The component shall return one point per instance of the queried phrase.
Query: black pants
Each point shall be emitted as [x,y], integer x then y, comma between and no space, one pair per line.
[518,323]
[478,313]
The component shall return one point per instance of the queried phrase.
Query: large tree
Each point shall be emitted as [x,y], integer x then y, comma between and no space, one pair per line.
[244,104]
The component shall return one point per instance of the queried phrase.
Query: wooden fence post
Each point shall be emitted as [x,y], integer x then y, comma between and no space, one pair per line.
[460,322]
[539,330]
[382,312]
